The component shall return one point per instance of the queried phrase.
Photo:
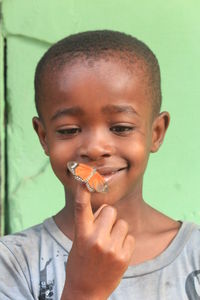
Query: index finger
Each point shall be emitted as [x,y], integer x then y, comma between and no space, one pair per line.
[83,213]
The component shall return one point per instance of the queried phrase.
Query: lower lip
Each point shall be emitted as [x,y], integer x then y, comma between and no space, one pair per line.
[109,178]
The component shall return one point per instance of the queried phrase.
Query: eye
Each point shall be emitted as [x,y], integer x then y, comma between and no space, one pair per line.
[122,129]
[71,131]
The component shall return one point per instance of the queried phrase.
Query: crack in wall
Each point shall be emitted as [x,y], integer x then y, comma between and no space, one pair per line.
[25,179]
[30,38]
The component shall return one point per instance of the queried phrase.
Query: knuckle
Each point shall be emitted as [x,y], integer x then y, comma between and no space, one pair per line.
[110,210]
[98,245]
[122,259]
[80,205]
[81,239]
[122,224]
[111,252]
[131,240]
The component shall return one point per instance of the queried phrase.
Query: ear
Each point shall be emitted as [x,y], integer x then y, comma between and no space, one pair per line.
[41,132]
[159,129]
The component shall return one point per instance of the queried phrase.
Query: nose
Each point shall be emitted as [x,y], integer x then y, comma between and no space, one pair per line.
[95,145]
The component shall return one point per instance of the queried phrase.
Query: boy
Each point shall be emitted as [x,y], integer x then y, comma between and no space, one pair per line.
[98,99]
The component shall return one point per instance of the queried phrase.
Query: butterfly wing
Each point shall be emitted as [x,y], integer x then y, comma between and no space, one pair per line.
[97,183]
[80,171]
[84,173]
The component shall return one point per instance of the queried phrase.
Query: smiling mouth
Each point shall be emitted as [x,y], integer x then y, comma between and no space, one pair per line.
[108,173]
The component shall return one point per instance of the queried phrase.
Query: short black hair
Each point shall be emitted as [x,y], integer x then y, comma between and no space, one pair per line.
[92,45]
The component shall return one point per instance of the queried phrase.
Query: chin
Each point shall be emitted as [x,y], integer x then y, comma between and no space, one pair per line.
[98,199]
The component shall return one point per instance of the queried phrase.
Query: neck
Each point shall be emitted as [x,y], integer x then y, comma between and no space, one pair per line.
[134,212]
[131,208]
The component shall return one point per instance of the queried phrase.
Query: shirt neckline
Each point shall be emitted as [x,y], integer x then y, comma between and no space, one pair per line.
[159,262]
[52,228]
[167,256]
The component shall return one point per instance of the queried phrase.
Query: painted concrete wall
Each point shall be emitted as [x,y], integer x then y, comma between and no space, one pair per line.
[2,133]
[172,29]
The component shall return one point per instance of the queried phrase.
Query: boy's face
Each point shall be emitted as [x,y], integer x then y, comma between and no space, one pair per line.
[101,115]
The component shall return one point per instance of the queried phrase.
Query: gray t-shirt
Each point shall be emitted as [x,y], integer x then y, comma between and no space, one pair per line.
[32,266]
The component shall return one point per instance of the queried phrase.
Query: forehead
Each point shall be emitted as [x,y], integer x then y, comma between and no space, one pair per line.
[89,82]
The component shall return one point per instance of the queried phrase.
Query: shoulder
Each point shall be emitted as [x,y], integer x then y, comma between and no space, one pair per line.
[22,238]
[22,245]
[191,234]
[189,244]
[18,253]
[30,257]
[29,244]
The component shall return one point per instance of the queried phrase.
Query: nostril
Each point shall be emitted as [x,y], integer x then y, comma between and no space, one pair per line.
[84,156]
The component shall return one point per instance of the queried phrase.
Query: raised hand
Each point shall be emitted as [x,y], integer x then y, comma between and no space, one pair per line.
[101,251]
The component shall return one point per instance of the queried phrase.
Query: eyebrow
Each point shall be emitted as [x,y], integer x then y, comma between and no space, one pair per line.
[70,111]
[108,109]
[119,109]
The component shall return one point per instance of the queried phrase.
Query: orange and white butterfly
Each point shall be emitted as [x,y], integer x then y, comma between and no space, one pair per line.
[88,175]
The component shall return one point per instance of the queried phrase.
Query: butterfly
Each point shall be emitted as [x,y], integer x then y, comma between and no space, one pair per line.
[88,175]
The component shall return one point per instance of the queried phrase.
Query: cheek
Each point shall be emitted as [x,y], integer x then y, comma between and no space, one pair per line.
[137,153]
[59,156]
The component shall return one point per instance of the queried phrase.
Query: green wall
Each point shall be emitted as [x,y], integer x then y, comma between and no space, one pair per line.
[2,134]
[172,30]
